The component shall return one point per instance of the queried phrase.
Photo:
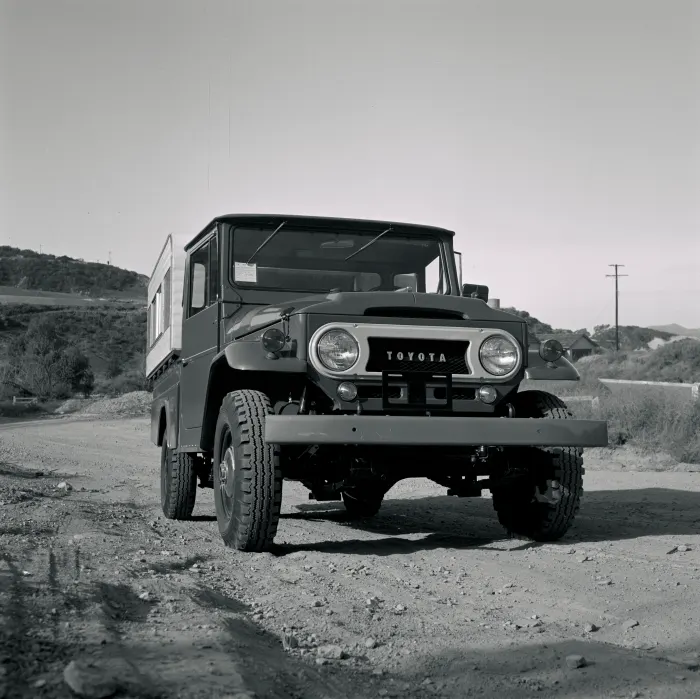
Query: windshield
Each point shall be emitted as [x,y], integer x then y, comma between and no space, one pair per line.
[323,261]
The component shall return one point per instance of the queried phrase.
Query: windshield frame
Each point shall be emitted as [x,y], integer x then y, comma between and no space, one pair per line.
[443,241]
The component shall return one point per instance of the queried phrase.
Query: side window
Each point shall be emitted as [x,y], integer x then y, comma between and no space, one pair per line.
[156,314]
[167,292]
[214,270]
[199,280]
[434,278]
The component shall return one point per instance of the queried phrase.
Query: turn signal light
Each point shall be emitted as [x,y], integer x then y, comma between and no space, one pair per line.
[273,340]
[551,350]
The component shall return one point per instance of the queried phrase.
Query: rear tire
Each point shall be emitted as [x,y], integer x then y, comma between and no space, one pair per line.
[178,482]
[246,472]
[528,511]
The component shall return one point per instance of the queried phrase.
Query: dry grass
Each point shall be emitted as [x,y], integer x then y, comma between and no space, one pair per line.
[649,421]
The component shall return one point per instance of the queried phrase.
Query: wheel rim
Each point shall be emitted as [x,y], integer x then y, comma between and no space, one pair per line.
[551,495]
[225,474]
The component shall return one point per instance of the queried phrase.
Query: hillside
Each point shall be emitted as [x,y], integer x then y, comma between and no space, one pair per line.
[676,329]
[23,272]
[112,337]
[98,309]
[536,326]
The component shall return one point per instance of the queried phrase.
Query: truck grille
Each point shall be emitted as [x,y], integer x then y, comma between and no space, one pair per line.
[398,354]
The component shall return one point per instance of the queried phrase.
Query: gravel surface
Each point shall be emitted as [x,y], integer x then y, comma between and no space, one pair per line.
[101,596]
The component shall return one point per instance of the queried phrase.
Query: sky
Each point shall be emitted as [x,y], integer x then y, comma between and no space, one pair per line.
[555,137]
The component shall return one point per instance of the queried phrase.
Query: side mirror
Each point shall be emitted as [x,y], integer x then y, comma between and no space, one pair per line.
[476,291]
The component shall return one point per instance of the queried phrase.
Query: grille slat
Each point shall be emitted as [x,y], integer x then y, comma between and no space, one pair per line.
[398,354]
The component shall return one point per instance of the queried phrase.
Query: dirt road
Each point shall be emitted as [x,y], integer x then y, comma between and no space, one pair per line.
[429,599]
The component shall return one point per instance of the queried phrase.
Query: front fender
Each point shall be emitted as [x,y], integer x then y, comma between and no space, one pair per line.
[540,370]
[250,356]
[238,356]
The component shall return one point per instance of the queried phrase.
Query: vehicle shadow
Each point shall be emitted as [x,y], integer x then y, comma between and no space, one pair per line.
[614,515]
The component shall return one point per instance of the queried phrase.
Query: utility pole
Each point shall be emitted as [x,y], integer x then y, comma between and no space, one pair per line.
[617,294]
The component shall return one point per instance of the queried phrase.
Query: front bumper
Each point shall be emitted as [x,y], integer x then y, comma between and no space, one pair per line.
[409,431]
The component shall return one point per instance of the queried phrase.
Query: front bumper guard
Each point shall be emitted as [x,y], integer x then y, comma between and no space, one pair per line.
[409,431]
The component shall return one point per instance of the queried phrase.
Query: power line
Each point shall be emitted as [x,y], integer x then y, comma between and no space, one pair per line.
[617,296]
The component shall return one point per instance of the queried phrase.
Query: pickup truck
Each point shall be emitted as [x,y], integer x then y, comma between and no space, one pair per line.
[347,355]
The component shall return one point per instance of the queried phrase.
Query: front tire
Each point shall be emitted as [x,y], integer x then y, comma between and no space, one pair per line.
[246,472]
[532,512]
[178,482]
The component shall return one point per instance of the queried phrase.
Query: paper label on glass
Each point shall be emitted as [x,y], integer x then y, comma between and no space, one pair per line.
[244,272]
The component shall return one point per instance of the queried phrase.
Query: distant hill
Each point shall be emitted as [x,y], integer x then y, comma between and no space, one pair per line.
[25,271]
[536,327]
[676,329]
[632,337]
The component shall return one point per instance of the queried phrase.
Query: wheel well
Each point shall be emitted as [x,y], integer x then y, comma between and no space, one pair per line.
[223,379]
[162,426]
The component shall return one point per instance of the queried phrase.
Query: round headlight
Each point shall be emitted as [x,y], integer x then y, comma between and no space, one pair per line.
[338,350]
[551,350]
[498,355]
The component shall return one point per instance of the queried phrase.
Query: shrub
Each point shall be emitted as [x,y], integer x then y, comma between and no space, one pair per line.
[124,383]
[12,410]
[41,363]
[652,421]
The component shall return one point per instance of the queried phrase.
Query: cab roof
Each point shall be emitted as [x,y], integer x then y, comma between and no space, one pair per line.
[317,222]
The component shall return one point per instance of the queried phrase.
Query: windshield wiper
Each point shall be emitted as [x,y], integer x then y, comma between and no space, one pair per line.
[267,240]
[371,242]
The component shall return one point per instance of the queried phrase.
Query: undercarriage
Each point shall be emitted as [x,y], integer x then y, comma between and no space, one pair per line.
[359,456]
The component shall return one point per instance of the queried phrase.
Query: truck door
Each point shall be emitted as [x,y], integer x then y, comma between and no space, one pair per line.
[200,334]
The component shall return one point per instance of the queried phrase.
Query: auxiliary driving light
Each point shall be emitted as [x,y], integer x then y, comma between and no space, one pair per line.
[347,391]
[551,350]
[273,340]
[487,394]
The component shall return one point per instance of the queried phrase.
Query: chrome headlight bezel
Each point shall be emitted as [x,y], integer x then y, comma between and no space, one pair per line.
[507,345]
[323,357]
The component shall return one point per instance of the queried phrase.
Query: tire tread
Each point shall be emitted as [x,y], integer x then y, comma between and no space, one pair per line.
[181,495]
[260,494]
[568,471]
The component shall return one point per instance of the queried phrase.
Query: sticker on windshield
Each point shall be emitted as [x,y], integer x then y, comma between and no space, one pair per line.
[244,272]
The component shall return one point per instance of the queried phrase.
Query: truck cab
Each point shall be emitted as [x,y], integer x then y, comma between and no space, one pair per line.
[347,355]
